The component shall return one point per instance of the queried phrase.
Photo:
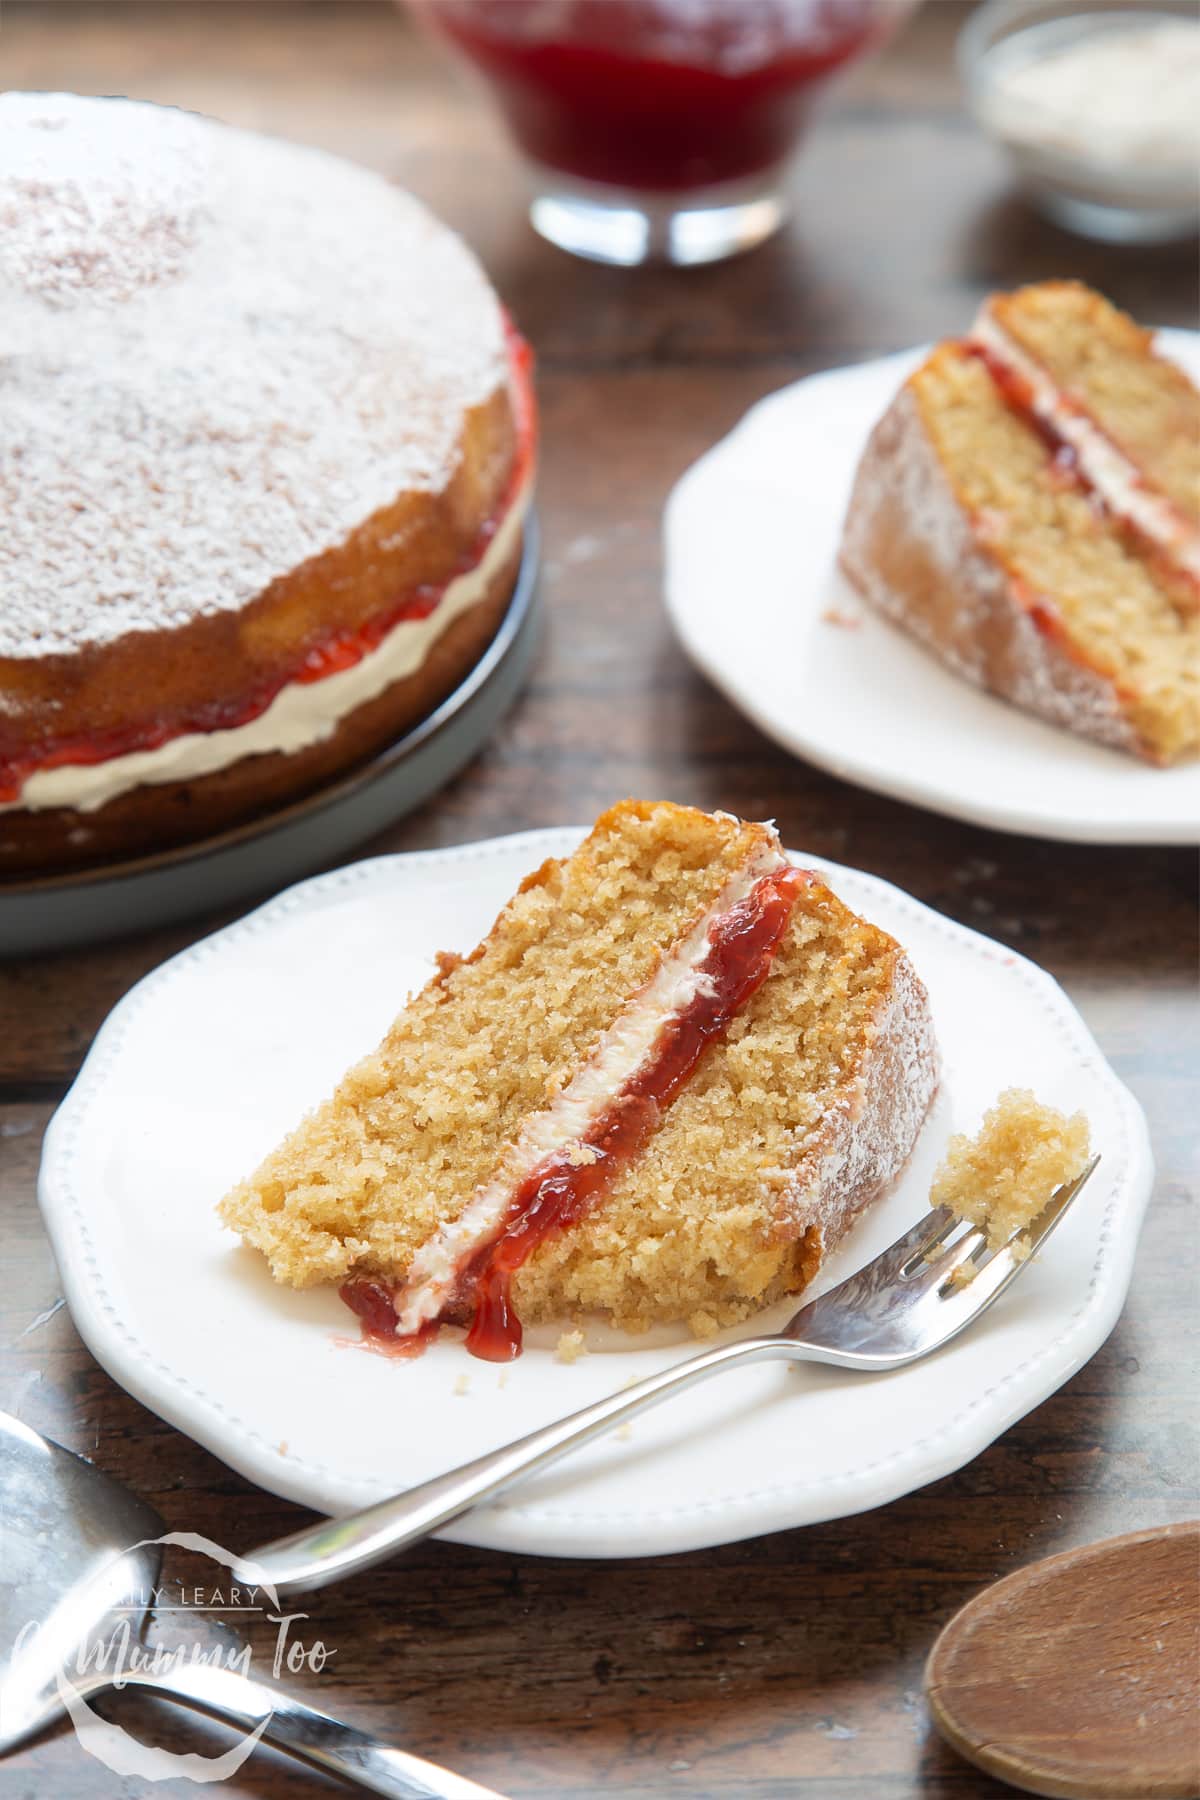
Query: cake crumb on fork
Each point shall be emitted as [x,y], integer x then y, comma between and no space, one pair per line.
[1002,1178]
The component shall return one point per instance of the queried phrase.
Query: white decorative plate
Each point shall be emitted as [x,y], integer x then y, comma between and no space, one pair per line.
[752,586]
[211,1058]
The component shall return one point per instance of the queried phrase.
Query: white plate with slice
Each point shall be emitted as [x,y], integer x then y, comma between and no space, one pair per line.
[210,1059]
[752,585]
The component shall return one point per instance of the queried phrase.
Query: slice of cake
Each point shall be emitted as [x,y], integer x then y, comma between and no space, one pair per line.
[1029,508]
[660,1089]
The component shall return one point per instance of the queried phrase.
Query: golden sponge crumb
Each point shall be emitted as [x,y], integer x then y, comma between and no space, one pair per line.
[570,1347]
[1002,1178]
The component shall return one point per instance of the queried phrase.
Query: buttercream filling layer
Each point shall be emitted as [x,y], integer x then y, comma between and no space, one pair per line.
[1112,476]
[620,1066]
[301,714]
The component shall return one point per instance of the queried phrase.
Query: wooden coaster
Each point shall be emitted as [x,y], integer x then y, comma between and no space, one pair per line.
[1079,1677]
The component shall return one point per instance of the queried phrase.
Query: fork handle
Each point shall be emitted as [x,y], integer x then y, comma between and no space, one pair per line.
[308,1734]
[336,1547]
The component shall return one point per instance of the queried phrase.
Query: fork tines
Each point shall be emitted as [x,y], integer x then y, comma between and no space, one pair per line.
[951,1251]
[969,1258]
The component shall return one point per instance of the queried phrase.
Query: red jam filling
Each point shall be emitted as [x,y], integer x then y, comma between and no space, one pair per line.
[1042,611]
[371,1299]
[341,650]
[1065,467]
[1017,393]
[564,1186]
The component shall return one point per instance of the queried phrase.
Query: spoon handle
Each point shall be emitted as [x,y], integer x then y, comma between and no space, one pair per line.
[312,1736]
[336,1547]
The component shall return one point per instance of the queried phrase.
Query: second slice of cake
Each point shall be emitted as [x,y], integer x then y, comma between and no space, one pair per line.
[1029,508]
[660,1089]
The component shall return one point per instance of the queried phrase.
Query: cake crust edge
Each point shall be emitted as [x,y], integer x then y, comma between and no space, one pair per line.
[161,816]
[909,549]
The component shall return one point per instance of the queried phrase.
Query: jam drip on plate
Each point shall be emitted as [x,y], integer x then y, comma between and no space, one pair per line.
[371,1299]
[562,1188]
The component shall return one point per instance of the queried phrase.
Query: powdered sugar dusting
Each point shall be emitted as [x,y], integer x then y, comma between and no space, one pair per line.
[867,1134]
[901,494]
[87,205]
[218,355]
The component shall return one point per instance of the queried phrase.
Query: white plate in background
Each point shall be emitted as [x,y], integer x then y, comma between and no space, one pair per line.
[752,585]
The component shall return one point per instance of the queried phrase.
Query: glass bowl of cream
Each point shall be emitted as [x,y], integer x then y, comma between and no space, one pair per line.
[1098,106]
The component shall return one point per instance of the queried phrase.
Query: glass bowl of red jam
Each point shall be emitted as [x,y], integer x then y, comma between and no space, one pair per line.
[659,130]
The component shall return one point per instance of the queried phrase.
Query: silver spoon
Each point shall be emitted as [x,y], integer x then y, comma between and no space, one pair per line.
[918,1294]
[66,1564]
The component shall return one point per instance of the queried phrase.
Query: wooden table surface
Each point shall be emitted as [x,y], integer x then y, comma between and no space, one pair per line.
[790,1665]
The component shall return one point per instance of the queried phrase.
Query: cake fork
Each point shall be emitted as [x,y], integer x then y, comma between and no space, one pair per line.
[917,1295]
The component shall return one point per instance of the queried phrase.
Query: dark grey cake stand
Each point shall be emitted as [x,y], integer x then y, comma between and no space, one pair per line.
[264,854]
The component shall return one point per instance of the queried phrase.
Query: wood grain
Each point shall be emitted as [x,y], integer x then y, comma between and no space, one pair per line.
[789,1666]
[1079,1677]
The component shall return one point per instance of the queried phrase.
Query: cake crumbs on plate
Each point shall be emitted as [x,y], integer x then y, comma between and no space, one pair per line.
[462,1385]
[570,1347]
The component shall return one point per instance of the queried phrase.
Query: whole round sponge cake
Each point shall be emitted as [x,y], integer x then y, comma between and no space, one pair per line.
[265,453]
